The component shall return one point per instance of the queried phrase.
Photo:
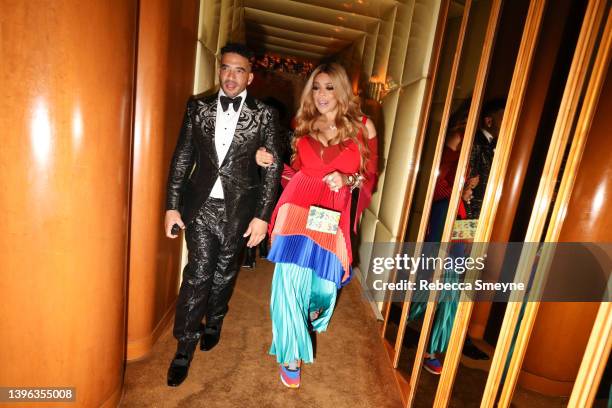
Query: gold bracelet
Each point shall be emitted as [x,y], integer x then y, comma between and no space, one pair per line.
[350,180]
[358,181]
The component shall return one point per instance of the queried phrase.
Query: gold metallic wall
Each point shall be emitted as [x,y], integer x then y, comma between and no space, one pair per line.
[221,21]
[67,80]
[165,74]
[401,51]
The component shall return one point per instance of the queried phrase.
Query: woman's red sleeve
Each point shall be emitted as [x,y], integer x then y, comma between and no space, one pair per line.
[371,176]
[289,171]
[443,189]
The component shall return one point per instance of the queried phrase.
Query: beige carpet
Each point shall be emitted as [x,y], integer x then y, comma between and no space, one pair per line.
[351,368]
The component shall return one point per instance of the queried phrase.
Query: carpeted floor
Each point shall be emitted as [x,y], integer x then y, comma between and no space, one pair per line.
[351,368]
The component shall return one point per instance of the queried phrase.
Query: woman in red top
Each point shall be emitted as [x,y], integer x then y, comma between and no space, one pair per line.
[334,151]
[445,312]
[444,185]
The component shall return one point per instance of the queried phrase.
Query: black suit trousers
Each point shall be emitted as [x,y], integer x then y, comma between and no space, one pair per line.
[214,244]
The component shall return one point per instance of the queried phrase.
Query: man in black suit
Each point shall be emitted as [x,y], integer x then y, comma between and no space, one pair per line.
[217,193]
[483,150]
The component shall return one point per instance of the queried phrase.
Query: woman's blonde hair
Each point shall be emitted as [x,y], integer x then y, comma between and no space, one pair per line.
[348,117]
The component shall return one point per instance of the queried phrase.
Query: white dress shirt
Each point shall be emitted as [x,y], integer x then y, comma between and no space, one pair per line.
[225,127]
[487,134]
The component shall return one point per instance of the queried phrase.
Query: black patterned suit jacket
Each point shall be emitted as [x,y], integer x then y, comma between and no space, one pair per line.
[195,167]
[481,160]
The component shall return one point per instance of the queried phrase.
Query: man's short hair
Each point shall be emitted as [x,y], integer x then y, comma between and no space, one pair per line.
[492,106]
[237,48]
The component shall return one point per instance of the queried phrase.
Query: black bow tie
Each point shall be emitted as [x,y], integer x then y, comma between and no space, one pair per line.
[226,100]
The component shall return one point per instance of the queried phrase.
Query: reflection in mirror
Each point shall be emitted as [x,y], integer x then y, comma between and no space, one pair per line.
[560,27]
[437,339]
[603,397]
[409,339]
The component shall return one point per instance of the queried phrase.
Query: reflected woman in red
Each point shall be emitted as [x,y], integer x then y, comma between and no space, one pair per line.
[334,152]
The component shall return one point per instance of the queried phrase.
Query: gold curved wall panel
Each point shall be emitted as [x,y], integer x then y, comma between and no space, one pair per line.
[422,31]
[399,43]
[166,55]
[410,28]
[208,32]
[206,71]
[381,235]
[383,43]
[67,78]
[383,117]
[367,229]
[402,155]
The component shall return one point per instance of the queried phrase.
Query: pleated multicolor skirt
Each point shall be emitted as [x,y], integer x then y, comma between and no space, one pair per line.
[446,309]
[444,317]
[308,273]
[310,264]
[296,292]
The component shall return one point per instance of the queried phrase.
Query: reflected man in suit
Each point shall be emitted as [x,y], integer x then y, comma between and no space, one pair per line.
[483,150]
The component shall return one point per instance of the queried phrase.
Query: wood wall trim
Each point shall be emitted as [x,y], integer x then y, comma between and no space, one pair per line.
[600,341]
[453,353]
[559,140]
[140,348]
[432,76]
[429,313]
[595,359]
[496,179]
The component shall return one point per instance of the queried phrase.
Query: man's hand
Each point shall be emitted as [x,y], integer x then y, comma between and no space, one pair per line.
[257,231]
[264,158]
[172,217]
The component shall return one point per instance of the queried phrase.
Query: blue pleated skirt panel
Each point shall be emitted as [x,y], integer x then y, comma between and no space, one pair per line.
[296,291]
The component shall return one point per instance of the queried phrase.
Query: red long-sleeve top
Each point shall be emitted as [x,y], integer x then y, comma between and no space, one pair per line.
[328,154]
[446,178]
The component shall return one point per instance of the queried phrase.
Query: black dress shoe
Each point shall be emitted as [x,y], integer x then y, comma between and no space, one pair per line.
[470,350]
[263,248]
[249,258]
[179,367]
[210,337]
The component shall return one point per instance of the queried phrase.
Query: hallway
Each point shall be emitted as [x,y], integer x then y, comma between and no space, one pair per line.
[492,122]
[352,368]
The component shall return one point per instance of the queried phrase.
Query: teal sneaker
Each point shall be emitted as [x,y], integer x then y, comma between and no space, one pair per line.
[433,365]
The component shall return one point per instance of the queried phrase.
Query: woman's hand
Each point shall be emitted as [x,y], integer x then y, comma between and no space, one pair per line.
[467,195]
[263,158]
[473,182]
[335,181]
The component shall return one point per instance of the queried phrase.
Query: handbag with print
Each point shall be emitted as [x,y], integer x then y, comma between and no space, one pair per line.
[323,220]
[464,230]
